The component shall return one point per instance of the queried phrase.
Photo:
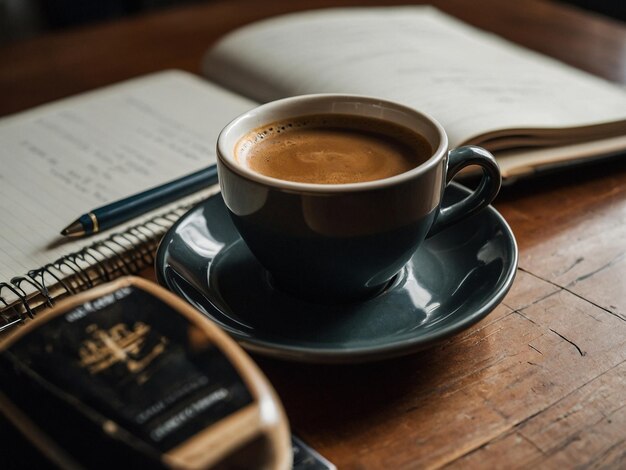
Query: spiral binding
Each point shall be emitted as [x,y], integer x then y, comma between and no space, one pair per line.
[120,254]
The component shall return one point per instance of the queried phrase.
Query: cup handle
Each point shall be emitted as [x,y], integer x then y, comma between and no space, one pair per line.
[481,197]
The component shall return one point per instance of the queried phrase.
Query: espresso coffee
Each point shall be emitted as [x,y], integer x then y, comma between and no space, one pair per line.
[332,149]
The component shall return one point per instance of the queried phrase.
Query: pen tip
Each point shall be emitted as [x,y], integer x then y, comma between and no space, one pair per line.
[75,229]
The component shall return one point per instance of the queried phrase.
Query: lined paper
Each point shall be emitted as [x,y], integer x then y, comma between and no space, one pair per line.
[64,159]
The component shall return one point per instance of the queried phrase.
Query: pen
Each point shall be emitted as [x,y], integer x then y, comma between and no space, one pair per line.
[120,211]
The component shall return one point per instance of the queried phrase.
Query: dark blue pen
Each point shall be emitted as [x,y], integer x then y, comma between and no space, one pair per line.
[117,212]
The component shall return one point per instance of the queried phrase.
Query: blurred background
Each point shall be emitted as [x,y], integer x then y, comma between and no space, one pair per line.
[21,19]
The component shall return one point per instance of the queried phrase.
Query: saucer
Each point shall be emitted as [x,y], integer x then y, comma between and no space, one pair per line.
[455,279]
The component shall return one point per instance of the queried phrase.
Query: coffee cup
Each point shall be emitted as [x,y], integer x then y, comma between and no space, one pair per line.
[341,239]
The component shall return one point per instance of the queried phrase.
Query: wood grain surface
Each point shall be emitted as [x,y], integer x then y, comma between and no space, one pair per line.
[541,381]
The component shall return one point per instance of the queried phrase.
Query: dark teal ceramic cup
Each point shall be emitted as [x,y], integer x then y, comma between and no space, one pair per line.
[344,242]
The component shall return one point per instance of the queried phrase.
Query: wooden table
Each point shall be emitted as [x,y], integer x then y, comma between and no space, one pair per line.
[541,380]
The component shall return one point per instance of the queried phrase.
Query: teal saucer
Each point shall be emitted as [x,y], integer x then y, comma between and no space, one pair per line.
[455,279]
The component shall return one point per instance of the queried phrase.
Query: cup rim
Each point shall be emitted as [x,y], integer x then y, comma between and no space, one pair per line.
[227,157]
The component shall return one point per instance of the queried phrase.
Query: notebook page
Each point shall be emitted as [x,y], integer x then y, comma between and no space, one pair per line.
[64,159]
[469,80]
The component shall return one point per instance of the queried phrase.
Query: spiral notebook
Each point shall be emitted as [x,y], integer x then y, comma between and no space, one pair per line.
[66,158]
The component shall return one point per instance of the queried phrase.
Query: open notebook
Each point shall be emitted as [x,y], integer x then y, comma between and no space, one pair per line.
[61,160]
[532,111]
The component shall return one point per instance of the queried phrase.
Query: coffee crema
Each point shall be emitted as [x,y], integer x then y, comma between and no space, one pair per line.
[332,149]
